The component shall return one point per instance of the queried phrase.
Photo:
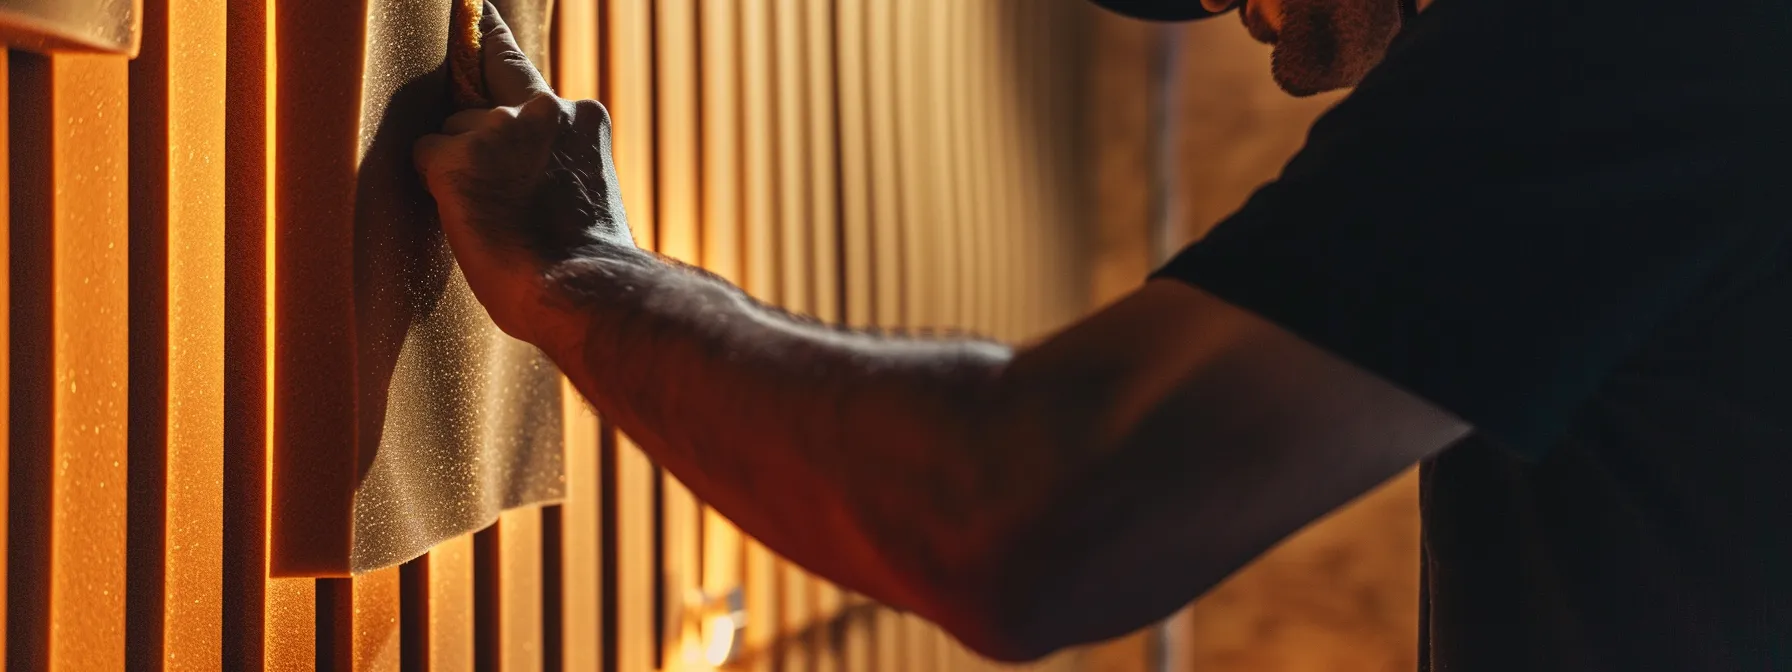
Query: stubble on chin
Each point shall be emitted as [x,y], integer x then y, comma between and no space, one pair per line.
[1325,45]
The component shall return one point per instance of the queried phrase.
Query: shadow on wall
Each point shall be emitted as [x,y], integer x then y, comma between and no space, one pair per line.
[1342,594]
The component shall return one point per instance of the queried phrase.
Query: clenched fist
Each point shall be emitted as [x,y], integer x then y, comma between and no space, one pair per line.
[523,186]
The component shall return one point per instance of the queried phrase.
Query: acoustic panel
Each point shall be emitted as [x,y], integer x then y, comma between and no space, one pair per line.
[443,421]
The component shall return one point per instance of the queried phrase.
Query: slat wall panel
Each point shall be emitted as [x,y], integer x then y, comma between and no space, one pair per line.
[887,243]
[856,160]
[374,641]
[922,307]
[722,228]
[941,72]
[678,161]
[816,31]
[851,71]
[317,120]
[5,333]
[177,356]
[759,278]
[448,609]
[269,624]
[519,591]
[797,284]
[67,504]
[577,66]
[628,92]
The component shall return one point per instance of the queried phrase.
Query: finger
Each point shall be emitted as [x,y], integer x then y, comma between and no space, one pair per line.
[466,121]
[509,76]
[431,153]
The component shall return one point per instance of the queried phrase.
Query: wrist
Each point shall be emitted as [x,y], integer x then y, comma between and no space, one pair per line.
[574,294]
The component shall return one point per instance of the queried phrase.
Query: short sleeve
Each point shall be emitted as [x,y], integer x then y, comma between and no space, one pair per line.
[1515,200]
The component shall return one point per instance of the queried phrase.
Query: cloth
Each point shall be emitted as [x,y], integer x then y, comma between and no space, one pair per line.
[1564,223]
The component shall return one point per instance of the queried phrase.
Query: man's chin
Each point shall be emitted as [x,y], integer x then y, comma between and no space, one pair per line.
[1302,82]
[1326,47]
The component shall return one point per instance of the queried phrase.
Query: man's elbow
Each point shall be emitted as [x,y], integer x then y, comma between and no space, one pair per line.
[1011,611]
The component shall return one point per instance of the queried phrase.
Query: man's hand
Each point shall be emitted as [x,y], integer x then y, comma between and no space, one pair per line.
[523,186]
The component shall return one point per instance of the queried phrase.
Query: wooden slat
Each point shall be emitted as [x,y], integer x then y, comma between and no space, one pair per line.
[373,617]
[448,612]
[887,643]
[636,573]
[519,590]
[992,128]
[268,624]
[942,70]
[915,185]
[885,165]
[628,92]
[627,89]
[177,354]
[680,207]
[581,596]
[581,624]
[795,613]
[797,284]
[5,334]
[759,276]
[816,34]
[317,121]
[795,287]
[69,329]
[855,163]
[723,229]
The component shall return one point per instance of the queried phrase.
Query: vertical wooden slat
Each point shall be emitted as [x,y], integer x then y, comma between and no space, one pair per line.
[887,643]
[816,32]
[885,166]
[69,329]
[372,617]
[581,596]
[628,89]
[795,287]
[268,623]
[578,64]
[680,206]
[177,377]
[5,335]
[722,228]
[760,274]
[851,68]
[992,125]
[942,71]
[317,121]
[921,305]
[519,590]
[447,609]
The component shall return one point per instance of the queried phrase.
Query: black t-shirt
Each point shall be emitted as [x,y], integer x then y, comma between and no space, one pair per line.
[1565,222]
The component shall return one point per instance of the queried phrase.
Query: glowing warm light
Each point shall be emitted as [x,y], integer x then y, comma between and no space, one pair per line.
[718,639]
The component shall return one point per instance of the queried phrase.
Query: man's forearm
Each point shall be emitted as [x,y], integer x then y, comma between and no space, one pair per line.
[867,460]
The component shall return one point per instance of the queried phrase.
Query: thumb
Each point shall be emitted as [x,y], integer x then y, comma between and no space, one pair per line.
[509,76]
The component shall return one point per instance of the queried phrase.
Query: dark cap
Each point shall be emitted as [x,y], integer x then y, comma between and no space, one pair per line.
[1158,10]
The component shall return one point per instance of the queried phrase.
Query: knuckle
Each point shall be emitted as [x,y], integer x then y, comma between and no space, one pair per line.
[590,115]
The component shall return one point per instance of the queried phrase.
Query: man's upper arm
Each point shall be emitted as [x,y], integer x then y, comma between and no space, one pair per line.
[1211,434]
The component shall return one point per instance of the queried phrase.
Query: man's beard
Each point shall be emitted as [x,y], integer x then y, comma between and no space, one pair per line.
[1329,44]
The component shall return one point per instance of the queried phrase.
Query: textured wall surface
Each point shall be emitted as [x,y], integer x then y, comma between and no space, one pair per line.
[1342,594]
[238,358]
